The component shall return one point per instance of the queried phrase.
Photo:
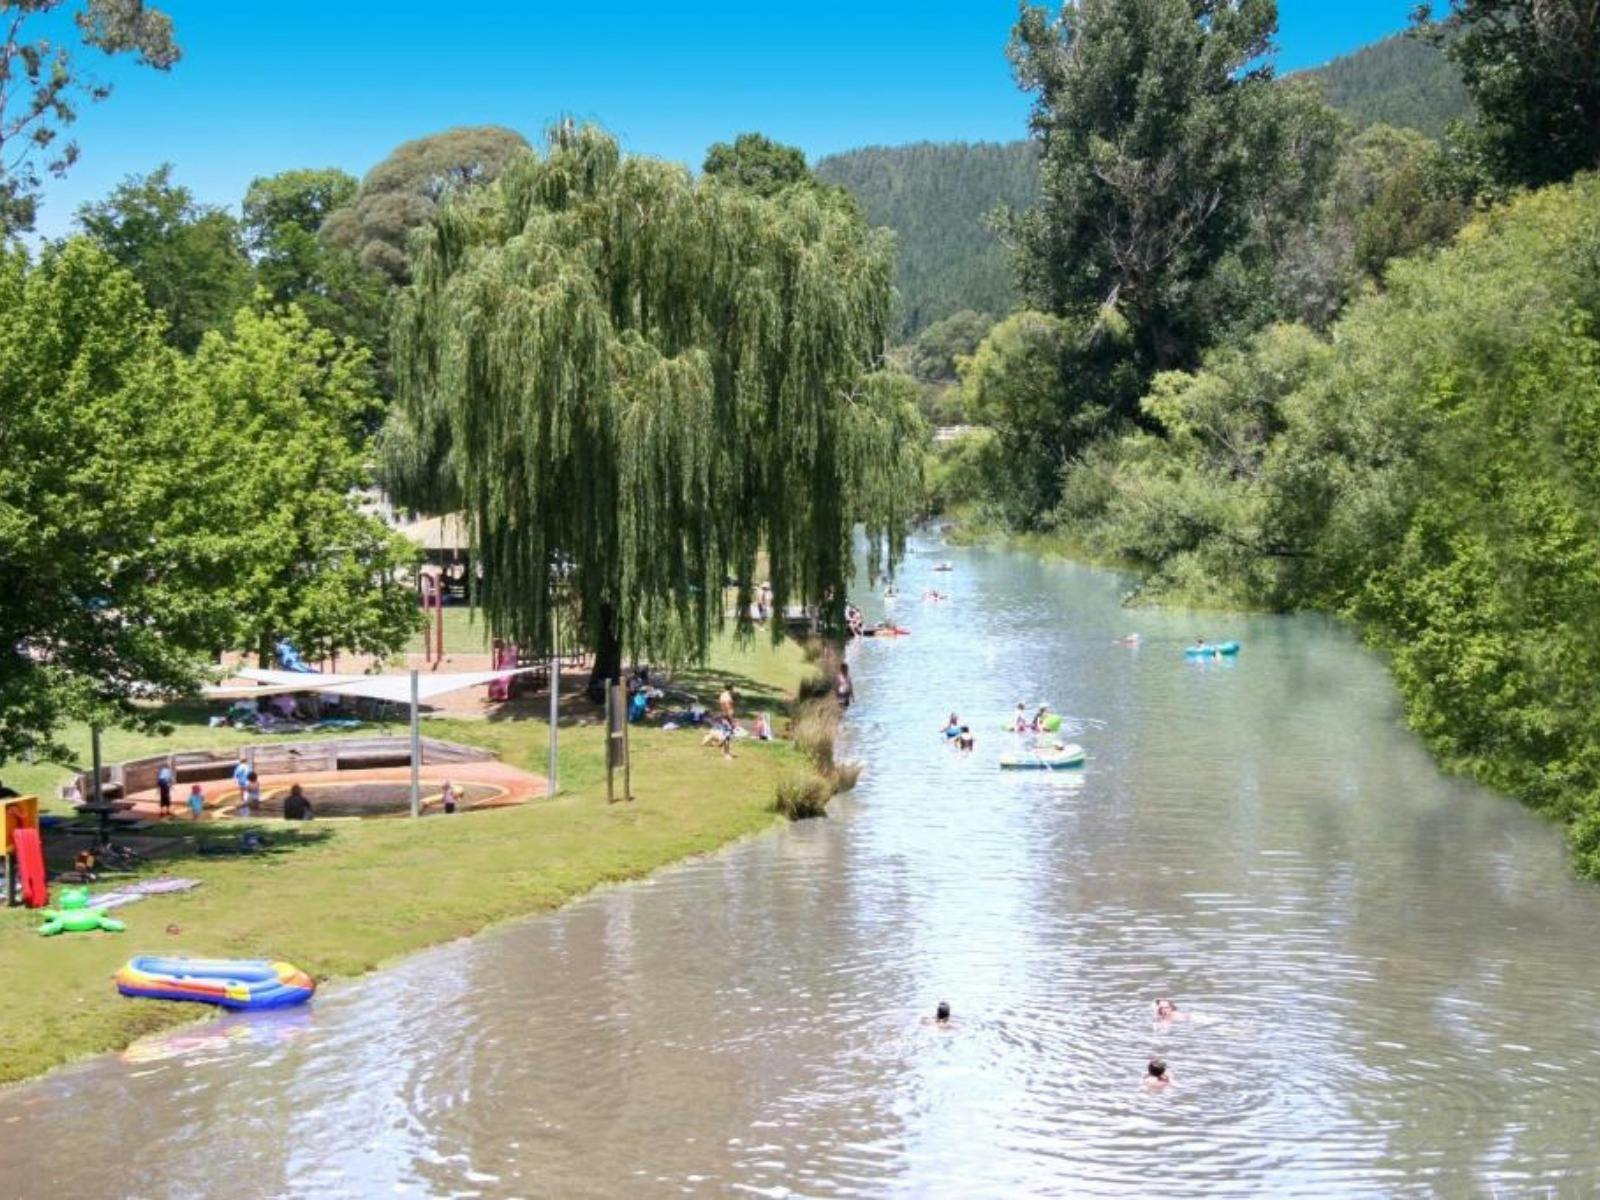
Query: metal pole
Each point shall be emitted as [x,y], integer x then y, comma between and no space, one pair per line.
[416,750]
[611,734]
[555,709]
[94,750]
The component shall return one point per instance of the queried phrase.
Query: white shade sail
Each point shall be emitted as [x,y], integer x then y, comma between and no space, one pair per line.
[393,688]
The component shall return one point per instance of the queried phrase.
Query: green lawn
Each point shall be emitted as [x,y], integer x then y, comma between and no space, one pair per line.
[341,897]
[465,632]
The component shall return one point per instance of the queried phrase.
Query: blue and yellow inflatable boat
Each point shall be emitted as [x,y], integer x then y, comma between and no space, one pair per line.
[229,982]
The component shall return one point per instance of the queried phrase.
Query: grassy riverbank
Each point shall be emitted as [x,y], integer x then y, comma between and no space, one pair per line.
[339,898]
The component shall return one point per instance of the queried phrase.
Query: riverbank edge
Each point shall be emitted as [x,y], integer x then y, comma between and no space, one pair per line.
[1063,547]
[358,878]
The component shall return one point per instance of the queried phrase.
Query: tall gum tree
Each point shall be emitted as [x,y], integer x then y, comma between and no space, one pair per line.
[632,383]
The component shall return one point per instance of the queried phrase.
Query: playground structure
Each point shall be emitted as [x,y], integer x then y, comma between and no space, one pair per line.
[430,591]
[23,852]
[344,774]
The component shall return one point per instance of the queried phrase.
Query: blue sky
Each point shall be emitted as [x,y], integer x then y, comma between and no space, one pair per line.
[267,85]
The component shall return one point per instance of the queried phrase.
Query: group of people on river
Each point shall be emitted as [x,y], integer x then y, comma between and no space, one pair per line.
[958,735]
[1156,1077]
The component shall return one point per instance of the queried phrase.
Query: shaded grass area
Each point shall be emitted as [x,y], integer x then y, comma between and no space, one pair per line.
[339,898]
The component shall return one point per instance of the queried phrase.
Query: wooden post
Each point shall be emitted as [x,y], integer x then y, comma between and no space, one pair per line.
[627,762]
[617,740]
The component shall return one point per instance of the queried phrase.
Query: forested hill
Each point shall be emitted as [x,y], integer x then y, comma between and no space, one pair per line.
[935,195]
[1398,81]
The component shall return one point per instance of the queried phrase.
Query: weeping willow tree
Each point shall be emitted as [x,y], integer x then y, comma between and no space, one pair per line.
[632,383]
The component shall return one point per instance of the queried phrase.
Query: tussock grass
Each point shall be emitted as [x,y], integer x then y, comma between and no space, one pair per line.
[802,796]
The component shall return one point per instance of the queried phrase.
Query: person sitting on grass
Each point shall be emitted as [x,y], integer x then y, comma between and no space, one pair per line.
[296,806]
[721,734]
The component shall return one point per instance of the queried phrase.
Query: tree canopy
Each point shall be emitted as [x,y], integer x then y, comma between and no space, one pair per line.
[187,256]
[400,194]
[1533,69]
[283,216]
[108,540]
[634,384]
[42,80]
[1159,127]
[757,162]
[291,406]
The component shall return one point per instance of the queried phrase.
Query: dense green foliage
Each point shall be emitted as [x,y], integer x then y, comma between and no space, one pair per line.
[291,406]
[635,384]
[1161,140]
[282,221]
[157,507]
[936,197]
[1533,69]
[187,256]
[43,79]
[1431,472]
[758,163]
[1401,81]
[400,194]
[110,568]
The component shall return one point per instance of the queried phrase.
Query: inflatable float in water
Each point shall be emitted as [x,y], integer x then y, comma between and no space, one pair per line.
[1052,724]
[1220,650]
[1043,760]
[229,982]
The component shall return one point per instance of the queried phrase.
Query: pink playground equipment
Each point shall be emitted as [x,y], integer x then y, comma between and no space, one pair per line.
[430,589]
[505,658]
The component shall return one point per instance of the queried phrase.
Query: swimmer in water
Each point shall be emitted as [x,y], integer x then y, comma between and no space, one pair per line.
[1156,1078]
[1167,1012]
[1132,639]
[941,1015]
[964,740]
[952,728]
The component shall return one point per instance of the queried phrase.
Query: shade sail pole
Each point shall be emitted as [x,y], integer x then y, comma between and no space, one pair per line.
[416,749]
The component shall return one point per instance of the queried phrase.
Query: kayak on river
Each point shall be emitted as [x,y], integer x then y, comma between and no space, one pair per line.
[1210,650]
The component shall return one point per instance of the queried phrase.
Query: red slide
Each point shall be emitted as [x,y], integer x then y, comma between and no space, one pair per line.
[30,859]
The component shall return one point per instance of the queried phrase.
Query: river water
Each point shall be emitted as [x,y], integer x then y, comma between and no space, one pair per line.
[1392,976]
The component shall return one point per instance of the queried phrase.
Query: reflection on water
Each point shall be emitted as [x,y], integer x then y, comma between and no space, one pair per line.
[1391,974]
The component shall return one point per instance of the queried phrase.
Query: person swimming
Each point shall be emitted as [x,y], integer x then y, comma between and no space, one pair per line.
[1156,1078]
[1133,639]
[964,740]
[952,729]
[941,1015]
[1167,1012]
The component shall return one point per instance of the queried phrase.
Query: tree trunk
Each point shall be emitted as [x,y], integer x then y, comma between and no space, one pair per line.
[607,653]
[266,657]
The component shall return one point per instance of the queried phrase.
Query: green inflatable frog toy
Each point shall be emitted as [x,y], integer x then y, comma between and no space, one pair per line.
[75,916]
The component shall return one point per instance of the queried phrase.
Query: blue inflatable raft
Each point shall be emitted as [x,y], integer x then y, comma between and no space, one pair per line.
[1043,760]
[1220,650]
[230,982]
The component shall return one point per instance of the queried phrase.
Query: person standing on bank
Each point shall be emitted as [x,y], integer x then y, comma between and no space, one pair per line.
[164,780]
